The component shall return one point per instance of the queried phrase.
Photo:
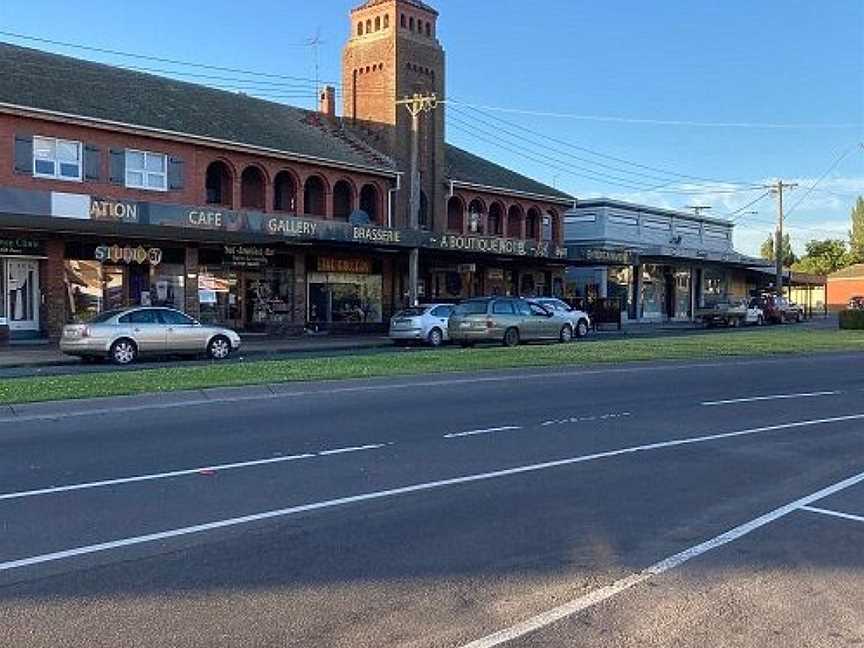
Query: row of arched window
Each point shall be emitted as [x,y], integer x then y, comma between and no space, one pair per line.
[372,25]
[287,192]
[420,69]
[496,220]
[377,67]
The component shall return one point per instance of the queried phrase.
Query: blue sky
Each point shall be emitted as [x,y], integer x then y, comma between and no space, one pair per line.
[706,62]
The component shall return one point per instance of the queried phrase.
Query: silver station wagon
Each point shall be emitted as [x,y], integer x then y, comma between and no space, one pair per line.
[506,320]
[123,335]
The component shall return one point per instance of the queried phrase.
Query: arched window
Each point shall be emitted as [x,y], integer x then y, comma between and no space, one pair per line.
[377,23]
[386,21]
[360,28]
[284,192]
[514,222]
[369,201]
[423,219]
[476,217]
[402,21]
[532,224]
[411,23]
[252,188]
[343,200]
[429,29]
[554,233]
[219,184]
[455,214]
[496,220]
[314,200]
[369,26]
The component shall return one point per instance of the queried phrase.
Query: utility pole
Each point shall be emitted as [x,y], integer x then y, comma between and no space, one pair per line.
[778,188]
[416,105]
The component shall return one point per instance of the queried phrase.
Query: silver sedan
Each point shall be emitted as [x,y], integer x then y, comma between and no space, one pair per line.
[123,335]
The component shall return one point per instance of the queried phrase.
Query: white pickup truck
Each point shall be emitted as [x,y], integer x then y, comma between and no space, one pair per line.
[740,313]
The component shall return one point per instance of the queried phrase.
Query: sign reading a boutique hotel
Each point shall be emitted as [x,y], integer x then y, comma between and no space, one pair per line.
[511,247]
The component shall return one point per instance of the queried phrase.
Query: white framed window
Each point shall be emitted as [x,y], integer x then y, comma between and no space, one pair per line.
[57,159]
[145,170]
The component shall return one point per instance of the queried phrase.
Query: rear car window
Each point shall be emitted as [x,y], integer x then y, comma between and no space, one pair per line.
[104,317]
[442,311]
[140,317]
[523,308]
[174,318]
[471,308]
[411,312]
[503,308]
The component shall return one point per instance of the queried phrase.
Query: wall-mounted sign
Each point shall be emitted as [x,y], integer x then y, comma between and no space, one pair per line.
[128,255]
[353,266]
[602,256]
[113,210]
[21,247]
[248,256]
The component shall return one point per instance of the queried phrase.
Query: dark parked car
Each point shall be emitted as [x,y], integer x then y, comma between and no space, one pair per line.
[856,303]
[779,310]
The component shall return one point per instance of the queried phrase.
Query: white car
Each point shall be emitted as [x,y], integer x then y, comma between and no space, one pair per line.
[579,319]
[425,324]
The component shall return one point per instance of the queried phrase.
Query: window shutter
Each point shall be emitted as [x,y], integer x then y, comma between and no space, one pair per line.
[92,162]
[175,173]
[117,166]
[24,154]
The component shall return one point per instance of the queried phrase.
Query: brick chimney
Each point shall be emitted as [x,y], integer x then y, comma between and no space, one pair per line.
[327,101]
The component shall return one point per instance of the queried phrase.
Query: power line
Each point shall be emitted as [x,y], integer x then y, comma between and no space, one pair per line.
[831,168]
[659,122]
[598,153]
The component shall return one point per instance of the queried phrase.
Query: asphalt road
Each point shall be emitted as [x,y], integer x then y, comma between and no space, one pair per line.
[705,504]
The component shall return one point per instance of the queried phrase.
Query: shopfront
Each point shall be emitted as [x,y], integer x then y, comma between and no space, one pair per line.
[246,287]
[445,282]
[345,290]
[106,275]
[20,286]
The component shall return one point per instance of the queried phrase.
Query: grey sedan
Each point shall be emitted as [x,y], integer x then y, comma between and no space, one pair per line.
[506,320]
[123,335]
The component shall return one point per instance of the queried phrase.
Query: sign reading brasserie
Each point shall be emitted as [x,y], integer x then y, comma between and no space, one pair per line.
[21,247]
[128,255]
[248,256]
[352,266]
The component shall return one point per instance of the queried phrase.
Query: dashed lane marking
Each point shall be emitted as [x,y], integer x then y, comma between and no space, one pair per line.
[669,563]
[756,399]
[584,419]
[504,428]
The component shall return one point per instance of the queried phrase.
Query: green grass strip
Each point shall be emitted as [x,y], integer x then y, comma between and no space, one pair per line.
[763,342]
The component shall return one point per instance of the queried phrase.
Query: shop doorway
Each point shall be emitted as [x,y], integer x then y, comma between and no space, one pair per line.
[22,294]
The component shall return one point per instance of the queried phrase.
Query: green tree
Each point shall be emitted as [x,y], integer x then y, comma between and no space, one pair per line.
[823,257]
[767,250]
[856,234]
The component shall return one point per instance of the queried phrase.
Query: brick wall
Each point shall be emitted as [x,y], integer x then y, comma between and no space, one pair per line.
[53,286]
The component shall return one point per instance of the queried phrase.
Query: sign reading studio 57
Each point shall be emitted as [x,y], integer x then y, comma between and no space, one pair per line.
[128,255]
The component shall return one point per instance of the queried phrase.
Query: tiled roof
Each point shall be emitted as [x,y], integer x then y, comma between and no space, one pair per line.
[463,166]
[855,271]
[38,79]
[415,3]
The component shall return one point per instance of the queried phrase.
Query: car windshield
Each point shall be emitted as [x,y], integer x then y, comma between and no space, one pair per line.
[415,311]
[471,308]
[104,316]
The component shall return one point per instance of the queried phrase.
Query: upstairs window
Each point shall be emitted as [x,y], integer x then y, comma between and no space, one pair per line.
[145,170]
[57,159]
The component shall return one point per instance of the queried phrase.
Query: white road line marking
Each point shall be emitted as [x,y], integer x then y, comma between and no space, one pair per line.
[404,490]
[336,451]
[505,428]
[584,419]
[605,593]
[153,477]
[838,514]
[756,399]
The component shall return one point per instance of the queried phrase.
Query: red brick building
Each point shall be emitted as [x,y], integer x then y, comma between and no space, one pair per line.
[121,188]
[843,285]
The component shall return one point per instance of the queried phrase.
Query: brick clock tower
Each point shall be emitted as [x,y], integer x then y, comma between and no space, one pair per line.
[393,52]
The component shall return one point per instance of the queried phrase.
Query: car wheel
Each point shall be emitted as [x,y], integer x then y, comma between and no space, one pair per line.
[566,334]
[436,337]
[219,348]
[581,329]
[124,352]
[511,337]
